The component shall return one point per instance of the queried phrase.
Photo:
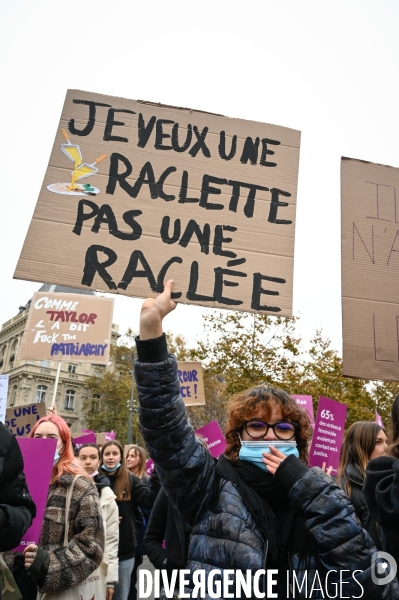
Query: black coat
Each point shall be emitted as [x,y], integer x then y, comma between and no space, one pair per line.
[167,524]
[381,490]
[359,502]
[141,495]
[17,508]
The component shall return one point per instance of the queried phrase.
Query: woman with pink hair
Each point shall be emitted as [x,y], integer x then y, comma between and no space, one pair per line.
[52,566]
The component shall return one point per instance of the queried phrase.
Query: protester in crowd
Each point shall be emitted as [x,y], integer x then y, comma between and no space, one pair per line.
[256,507]
[53,567]
[136,458]
[130,492]
[17,509]
[363,442]
[89,457]
[167,525]
[381,489]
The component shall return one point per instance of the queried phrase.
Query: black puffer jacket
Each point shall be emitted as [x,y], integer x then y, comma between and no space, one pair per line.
[225,534]
[17,508]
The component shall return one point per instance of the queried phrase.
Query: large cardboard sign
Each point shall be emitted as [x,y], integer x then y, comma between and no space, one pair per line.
[68,327]
[38,455]
[191,383]
[370,270]
[136,193]
[20,419]
[3,397]
[328,434]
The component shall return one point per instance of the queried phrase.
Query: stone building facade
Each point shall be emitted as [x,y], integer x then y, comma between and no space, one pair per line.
[33,381]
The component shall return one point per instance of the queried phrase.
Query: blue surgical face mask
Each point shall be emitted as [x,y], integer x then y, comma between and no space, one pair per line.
[111,470]
[253,451]
[56,456]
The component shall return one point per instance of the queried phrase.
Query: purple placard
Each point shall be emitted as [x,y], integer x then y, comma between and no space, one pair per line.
[305,402]
[213,437]
[38,455]
[379,420]
[149,467]
[109,435]
[328,434]
[88,431]
[88,438]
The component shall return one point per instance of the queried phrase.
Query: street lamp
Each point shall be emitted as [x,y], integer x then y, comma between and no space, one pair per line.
[131,402]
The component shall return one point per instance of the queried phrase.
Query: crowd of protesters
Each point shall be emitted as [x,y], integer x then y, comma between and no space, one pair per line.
[258,507]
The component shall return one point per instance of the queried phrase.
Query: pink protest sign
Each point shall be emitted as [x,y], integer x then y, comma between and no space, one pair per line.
[38,458]
[213,437]
[305,402]
[88,438]
[149,467]
[328,434]
[109,435]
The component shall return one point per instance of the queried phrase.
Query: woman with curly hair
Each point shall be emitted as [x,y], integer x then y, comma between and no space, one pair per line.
[259,508]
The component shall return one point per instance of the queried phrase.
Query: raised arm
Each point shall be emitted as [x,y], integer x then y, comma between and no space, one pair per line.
[185,467]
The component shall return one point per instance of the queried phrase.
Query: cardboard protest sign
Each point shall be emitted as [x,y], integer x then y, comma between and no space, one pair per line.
[3,397]
[370,267]
[305,402]
[68,327]
[101,439]
[137,193]
[20,419]
[38,455]
[328,434]
[213,437]
[191,383]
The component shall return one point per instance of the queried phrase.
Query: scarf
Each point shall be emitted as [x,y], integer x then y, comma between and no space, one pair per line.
[243,476]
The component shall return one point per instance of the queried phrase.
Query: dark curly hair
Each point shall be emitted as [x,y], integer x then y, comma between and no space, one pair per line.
[245,405]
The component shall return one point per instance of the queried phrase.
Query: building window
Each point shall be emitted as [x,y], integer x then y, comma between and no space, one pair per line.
[13,395]
[41,393]
[2,353]
[95,405]
[13,353]
[69,399]
[45,363]
[71,368]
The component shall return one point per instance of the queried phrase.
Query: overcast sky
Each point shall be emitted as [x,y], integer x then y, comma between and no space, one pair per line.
[329,69]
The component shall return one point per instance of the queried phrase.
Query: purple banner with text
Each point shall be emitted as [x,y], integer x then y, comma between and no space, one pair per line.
[328,434]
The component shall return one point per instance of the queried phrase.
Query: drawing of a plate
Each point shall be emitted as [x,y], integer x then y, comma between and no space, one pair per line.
[62,188]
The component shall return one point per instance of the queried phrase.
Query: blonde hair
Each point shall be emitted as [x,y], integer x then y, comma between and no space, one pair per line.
[140,469]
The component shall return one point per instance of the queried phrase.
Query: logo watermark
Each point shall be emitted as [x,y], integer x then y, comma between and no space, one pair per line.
[380,561]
